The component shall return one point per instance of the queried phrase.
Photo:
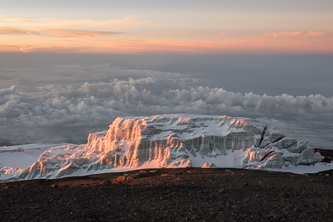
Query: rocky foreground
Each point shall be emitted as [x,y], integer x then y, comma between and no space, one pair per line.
[187,194]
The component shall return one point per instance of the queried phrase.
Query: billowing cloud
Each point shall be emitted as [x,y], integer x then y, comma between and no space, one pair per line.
[27,48]
[56,113]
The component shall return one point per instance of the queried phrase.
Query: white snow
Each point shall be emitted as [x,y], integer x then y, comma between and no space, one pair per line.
[162,141]
[22,156]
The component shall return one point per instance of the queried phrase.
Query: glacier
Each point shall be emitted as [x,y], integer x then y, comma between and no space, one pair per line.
[170,141]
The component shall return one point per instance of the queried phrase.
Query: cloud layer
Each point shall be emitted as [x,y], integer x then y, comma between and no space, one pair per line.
[55,113]
[63,33]
[294,34]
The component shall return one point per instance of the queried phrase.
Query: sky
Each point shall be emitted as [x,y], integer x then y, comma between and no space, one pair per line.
[81,26]
[69,68]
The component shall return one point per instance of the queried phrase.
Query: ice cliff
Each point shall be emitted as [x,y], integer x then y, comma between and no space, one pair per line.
[171,141]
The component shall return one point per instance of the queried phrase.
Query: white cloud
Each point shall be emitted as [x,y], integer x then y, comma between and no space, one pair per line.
[56,113]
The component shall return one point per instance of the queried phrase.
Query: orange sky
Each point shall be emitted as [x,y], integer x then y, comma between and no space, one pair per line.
[222,28]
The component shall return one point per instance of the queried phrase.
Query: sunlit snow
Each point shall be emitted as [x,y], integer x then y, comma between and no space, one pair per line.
[173,140]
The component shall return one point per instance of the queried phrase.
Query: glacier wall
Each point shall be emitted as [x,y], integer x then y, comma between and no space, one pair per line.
[171,141]
[133,141]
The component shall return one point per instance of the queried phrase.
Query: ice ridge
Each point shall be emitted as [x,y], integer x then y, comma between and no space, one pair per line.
[174,140]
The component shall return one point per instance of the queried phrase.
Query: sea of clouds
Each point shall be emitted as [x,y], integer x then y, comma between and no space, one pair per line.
[53,113]
[65,103]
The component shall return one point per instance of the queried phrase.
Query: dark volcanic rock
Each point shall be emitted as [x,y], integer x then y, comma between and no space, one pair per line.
[189,194]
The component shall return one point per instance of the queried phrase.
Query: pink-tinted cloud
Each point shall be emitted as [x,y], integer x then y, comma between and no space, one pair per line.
[8,48]
[27,48]
[313,34]
[152,33]
[223,33]
[31,49]
[187,33]
[7,30]
[64,33]
[14,19]
[293,34]
[78,40]
[283,34]
[128,21]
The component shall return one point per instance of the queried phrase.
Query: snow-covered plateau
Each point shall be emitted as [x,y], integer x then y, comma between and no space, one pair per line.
[170,141]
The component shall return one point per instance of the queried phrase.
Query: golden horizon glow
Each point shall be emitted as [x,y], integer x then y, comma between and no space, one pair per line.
[196,31]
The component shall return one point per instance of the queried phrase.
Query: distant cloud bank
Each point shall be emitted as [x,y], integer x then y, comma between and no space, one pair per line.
[54,113]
